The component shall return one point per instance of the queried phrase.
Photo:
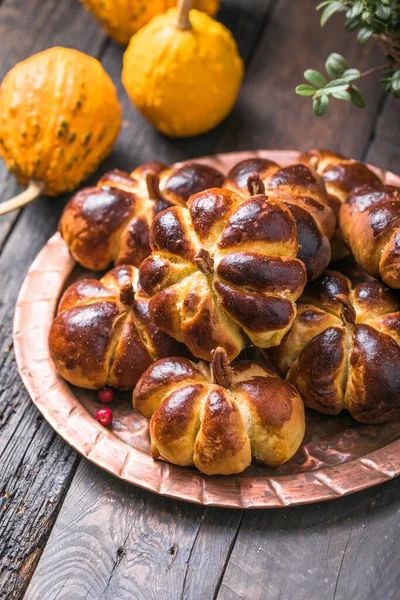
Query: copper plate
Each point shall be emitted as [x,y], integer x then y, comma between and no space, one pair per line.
[338,456]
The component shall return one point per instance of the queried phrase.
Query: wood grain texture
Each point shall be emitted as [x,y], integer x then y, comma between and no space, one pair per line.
[112,540]
[115,541]
[384,147]
[27,28]
[35,464]
[20,439]
[270,115]
[347,548]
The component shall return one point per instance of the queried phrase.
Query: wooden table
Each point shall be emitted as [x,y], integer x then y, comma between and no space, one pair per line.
[70,531]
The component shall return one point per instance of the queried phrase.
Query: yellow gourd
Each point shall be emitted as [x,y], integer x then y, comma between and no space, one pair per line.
[183,75]
[59,118]
[122,18]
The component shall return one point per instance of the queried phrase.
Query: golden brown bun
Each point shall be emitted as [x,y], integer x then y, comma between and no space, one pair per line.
[110,222]
[370,223]
[221,268]
[302,190]
[343,349]
[103,333]
[341,176]
[219,419]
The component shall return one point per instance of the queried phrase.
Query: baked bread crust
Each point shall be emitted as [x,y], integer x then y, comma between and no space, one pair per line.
[218,418]
[343,349]
[221,268]
[370,223]
[341,176]
[103,334]
[109,223]
[302,190]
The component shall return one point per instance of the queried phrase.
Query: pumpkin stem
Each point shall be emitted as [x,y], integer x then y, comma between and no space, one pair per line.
[204,261]
[153,186]
[33,190]
[347,312]
[255,185]
[221,370]
[127,294]
[153,190]
[182,21]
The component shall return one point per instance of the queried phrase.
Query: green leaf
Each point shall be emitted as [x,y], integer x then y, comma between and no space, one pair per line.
[383,12]
[322,4]
[320,105]
[395,84]
[366,17]
[335,65]
[315,78]
[305,90]
[330,10]
[337,85]
[364,34]
[357,97]
[355,10]
[351,74]
[342,96]
[352,24]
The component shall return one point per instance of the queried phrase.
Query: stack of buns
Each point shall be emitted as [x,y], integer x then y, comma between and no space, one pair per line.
[207,264]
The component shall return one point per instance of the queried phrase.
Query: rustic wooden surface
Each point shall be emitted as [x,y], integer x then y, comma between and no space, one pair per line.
[114,541]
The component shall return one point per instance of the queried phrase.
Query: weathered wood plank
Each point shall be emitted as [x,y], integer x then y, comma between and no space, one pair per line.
[270,115]
[112,540]
[247,127]
[27,28]
[20,442]
[261,119]
[348,548]
[384,149]
[344,549]
[35,464]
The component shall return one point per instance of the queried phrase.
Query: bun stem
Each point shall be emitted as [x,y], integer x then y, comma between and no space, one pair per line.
[347,312]
[221,370]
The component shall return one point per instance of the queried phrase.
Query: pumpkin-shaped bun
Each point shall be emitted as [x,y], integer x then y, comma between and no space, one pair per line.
[110,222]
[59,118]
[122,18]
[303,192]
[343,349]
[222,268]
[184,81]
[218,419]
[103,333]
[341,176]
[370,224]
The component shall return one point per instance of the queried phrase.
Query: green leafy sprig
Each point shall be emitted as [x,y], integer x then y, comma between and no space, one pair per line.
[378,18]
[368,16]
[340,86]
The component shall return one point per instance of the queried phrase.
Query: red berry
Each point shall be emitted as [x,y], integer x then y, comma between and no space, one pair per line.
[349,88]
[104,416]
[106,395]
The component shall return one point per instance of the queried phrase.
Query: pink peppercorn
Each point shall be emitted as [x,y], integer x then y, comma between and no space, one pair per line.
[104,416]
[106,395]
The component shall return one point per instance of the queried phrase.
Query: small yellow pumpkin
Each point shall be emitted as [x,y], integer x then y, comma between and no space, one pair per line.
[122,18]
[183,74]
[59,118]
